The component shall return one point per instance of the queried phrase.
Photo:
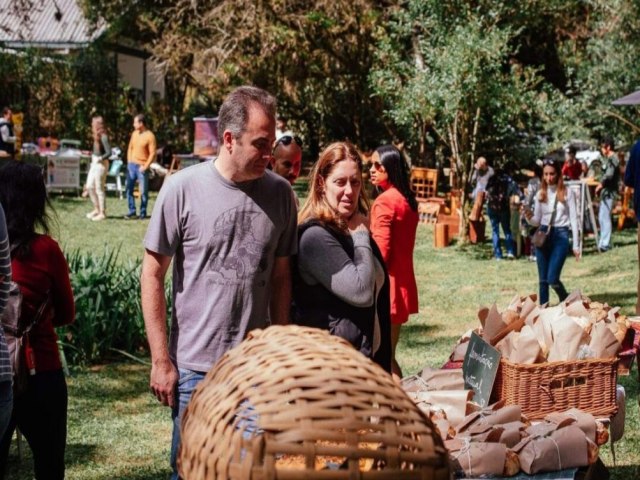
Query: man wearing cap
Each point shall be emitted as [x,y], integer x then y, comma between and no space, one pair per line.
[571,169]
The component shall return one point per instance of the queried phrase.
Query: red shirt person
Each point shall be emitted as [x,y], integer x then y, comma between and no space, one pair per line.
[571,168]
[394,221]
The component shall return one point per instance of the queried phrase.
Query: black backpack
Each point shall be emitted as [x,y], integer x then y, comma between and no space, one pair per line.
[497,193]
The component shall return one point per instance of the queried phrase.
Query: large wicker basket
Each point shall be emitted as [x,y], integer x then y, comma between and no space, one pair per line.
[542,388]
[292,403]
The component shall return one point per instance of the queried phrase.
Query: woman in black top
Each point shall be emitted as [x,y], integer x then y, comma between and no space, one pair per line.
[340,282]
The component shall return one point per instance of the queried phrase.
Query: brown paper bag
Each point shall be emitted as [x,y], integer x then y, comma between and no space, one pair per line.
[528,306]
[575,296]
[552,449]
[528,348]
[476,459]
[492,415]
[521,347]
[604,343]
[583,420]
[483,433]
[577,309]
[443,379]
[494,324]
[568,337]
[512,433]
[543,331]
[452,402]
[508,345]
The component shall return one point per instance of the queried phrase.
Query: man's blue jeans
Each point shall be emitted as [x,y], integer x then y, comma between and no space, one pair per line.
[550,259]
[604,218]
[135,175]
[187,382]
[497,219]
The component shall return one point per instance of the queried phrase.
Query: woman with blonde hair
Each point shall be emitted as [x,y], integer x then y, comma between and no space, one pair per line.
[340,281]
[555,212]
[97,177]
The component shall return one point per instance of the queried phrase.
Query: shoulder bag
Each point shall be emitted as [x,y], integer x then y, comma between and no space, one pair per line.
[542,232]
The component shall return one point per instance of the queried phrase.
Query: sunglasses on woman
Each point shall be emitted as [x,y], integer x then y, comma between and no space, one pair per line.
[377,165]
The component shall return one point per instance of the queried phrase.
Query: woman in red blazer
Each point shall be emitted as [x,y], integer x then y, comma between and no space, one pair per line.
[394,221]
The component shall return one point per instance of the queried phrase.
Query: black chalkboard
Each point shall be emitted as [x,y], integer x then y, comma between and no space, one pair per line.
[480,367]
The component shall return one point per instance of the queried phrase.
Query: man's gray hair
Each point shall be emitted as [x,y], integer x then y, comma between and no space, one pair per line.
[234,112]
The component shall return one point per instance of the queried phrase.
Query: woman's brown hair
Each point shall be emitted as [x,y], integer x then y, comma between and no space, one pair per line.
[97,128]
[560,188]
[316,207]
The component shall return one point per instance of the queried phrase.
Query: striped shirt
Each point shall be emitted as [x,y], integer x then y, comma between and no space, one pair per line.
[5,274]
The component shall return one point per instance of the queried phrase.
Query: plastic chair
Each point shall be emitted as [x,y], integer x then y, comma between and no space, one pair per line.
[115,173]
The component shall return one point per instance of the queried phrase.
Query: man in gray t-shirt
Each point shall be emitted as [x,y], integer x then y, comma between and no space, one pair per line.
[230,228]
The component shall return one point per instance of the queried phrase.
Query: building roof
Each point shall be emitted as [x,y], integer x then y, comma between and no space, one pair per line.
[57,24]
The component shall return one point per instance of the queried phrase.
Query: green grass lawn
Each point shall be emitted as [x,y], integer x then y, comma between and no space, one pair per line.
[117,429]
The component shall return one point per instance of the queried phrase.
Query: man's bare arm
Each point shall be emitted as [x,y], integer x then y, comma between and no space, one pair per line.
[164,375]
[280,304]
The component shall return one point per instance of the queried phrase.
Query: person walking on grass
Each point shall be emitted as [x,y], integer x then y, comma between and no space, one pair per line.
[140,155]
[555,209]
[97,176]
[229,226]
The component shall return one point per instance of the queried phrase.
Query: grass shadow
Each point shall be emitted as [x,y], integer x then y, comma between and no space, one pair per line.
[626,472]
[615,298]
[79,453]
[128,381]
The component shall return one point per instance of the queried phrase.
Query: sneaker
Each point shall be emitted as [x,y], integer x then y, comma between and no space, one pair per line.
[130,216]
[510,256]
[142,217]
[498,259]
[90,215]
[532,258]
[98,217]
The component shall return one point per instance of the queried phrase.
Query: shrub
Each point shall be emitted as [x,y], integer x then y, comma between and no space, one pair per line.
[108,308]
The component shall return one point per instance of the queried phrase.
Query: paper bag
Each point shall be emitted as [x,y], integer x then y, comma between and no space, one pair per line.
[528,348]
[494,324]
[452,402]
[476,459]
[577,309]
[553,450]
[491,416]
[583,420]
[604,343]
[521,347]
[568,337]
[528,307]
[443,379]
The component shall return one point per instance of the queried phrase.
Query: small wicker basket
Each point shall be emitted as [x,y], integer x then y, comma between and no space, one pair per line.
[293,402]
[543,388]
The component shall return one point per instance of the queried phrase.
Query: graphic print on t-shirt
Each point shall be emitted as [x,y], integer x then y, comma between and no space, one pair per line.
[236,253]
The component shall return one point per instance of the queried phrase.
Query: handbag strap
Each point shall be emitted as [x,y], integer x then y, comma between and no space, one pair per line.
[553,213]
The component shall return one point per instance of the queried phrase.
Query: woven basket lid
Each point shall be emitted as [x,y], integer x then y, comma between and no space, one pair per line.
[292,402]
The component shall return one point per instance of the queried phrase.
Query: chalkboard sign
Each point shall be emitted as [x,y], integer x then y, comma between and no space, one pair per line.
[480,368]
